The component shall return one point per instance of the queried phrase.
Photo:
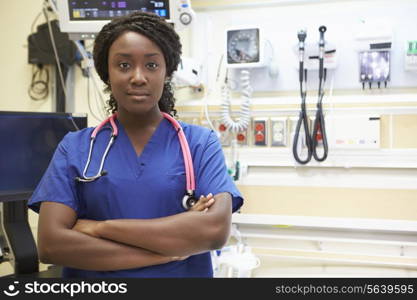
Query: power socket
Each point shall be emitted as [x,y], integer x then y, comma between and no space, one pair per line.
[242,137]
[260,131]
[278,129]
[224,133]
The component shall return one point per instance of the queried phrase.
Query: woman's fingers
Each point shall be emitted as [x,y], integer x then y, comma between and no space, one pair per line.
[209,203]
[203,203]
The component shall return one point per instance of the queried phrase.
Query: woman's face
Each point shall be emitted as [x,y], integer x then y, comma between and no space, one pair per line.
[137,72]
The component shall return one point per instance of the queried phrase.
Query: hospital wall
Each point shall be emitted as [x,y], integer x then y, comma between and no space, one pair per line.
[348,185]
[345,186]
[377,184]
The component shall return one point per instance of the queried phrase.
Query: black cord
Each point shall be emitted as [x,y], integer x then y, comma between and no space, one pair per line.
[39,85]
[302,119]
[319,128]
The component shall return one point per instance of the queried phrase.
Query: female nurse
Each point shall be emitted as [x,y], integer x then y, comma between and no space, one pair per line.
[131,222]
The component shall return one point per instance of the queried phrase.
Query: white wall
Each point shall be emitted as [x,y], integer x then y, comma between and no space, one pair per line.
[280,24]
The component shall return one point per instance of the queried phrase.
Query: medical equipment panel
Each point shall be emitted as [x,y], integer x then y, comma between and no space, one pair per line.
[374,67]
[29,141]
[83,18]
[106,10]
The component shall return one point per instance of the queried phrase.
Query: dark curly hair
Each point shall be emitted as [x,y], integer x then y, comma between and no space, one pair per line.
[154,28]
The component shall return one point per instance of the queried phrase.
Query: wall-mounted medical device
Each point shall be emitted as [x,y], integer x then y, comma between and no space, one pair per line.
[82,19]
[374,67]
[411,55]
[302,129]
[373,43]
[312,56]
[188,73]
[245,48]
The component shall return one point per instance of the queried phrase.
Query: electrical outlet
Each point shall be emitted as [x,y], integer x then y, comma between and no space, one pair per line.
[224,133]
[260,132]
[278,132]
[242,137]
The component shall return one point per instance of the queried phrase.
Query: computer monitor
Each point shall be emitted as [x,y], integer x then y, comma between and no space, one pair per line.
[82,19]
[28,142]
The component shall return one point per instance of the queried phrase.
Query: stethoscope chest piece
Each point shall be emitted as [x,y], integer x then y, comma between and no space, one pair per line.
[188,200]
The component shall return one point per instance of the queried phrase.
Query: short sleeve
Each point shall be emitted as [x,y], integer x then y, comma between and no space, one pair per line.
[56,184]
[212,175]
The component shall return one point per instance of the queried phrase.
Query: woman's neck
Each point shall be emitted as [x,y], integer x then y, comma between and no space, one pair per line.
[134,122]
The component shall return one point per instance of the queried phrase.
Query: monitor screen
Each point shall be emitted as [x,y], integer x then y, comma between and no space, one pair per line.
[88,10]
[28,143]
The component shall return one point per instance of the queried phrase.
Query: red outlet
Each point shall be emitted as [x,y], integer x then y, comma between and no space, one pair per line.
[241,137]
[222,127]
[260,132]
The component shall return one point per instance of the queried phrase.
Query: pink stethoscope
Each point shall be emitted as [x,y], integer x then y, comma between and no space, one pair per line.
[189,198]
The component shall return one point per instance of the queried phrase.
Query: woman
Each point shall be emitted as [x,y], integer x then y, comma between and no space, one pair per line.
[130,222]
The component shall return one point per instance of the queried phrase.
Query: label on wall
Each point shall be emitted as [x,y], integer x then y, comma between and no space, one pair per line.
[353,132]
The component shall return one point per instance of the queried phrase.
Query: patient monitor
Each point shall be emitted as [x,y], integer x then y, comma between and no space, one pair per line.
[82,19]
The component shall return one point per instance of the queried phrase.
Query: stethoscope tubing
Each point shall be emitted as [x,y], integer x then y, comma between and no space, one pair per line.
[188,163]
[189,169]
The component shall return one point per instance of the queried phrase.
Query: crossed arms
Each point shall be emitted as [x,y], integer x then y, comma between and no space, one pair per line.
[130,243]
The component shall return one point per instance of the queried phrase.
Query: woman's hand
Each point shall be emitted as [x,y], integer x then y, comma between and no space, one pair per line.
[87,226]
[203,204]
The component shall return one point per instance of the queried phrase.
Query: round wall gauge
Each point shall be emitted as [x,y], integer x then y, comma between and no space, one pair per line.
[243,46]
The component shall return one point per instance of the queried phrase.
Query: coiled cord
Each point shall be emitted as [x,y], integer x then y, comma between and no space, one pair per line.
[244,114]
[39,85]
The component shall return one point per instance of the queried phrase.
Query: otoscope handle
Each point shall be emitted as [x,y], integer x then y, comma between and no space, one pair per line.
[302,34]
[322,30]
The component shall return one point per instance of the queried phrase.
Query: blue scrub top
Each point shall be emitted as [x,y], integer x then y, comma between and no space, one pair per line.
[148,186]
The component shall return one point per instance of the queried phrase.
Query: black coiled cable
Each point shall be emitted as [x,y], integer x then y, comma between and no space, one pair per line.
[39,85]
